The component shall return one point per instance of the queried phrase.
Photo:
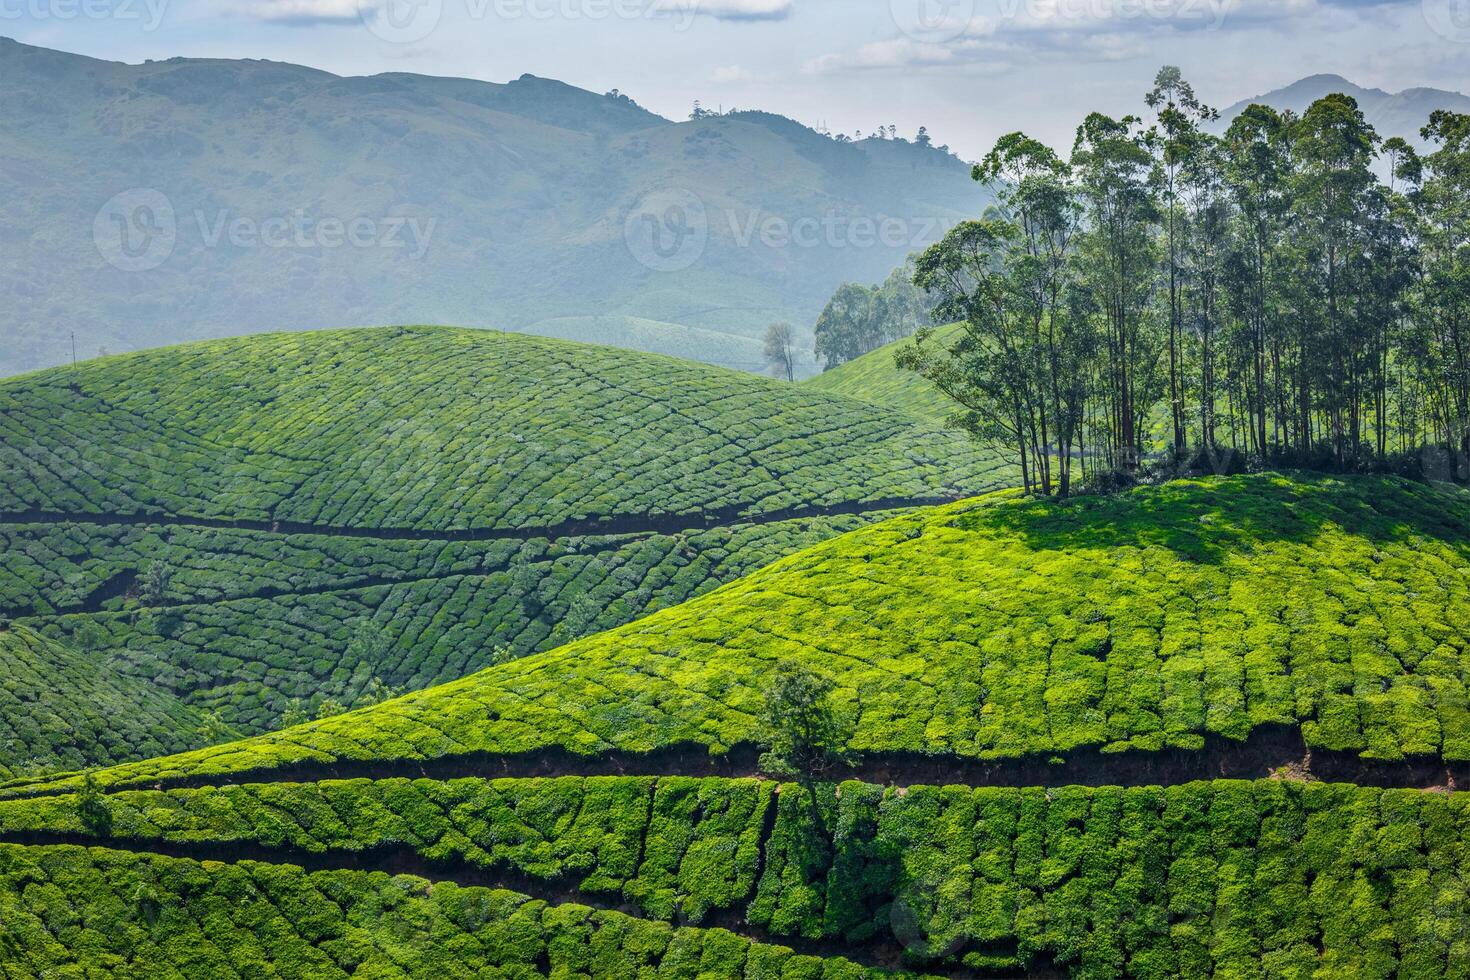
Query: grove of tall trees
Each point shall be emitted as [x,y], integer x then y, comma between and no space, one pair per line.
[1292,291]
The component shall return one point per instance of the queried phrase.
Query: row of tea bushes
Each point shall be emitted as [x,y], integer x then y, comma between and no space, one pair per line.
[77,912]
[675,847]
[1229,878]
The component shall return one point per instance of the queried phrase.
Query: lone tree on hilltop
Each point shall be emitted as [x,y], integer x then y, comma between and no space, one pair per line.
[781,350]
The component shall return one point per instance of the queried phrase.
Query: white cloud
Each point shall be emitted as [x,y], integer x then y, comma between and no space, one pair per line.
[729,9]
[1018,32]
[729,75]
[296,11]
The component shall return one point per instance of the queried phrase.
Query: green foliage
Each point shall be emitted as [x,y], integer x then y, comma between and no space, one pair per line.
[329,708]
[212,729]
[1258,297]
[1005,628]
[1205,879]
[798,722]
[94,813]
[156,582]
[859,319]
[63,709]
[70,911]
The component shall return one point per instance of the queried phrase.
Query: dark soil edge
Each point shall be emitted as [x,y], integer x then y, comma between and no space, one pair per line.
[615,524]
[1275,751]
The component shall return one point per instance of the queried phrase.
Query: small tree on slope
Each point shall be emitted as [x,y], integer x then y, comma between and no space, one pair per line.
[799,724]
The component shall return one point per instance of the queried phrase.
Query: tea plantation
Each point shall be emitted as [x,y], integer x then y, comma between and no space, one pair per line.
[571,789]
[875,377]
[439,429]
[277,527]
[1005,628]
[61,710]
[1228,878]
[254,624]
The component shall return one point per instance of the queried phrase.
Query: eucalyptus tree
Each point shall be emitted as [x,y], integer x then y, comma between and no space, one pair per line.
[1335,149]
[991,369]
[1444,296]
[1180,114]
[1207,211]
[1114,166]
[1257,168]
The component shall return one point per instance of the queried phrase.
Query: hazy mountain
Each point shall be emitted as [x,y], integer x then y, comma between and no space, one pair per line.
[193,198]
[1391,113]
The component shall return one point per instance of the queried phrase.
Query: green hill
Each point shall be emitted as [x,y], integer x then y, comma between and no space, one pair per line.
[1047,689]
[875,377]
[267,526]
[477,203]
[1172,618]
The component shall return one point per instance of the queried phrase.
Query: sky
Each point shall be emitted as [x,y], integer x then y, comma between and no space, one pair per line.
[968,70]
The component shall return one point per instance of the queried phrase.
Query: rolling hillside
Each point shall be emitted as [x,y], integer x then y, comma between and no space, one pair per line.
[495,205]
[1050,693]
[1193,616]
[875,377]
[266,526]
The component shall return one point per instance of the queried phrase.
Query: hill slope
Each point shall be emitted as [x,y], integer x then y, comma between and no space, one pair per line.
[435,429]
[1193,616]
[1255,616]
[524,199]
[60,709]
[875,377]
[280,525]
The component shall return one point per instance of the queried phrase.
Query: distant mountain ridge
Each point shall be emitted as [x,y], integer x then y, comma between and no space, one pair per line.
[1391,113]
[480,204]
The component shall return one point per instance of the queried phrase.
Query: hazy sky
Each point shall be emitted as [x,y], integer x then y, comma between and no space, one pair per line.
[968,69]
